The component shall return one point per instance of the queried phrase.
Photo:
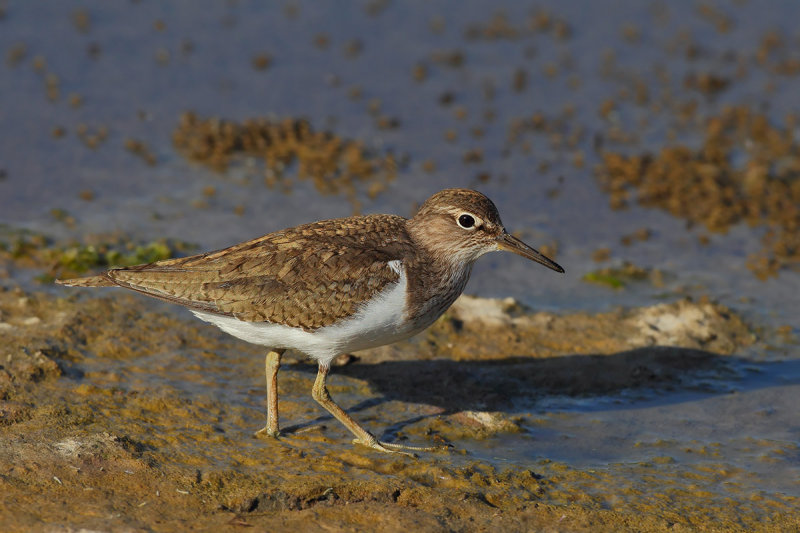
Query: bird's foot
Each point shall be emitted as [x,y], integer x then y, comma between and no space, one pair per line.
[385,447]
[402,449]
[267,433]
[395,445]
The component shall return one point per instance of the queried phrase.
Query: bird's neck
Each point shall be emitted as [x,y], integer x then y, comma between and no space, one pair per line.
[433,286]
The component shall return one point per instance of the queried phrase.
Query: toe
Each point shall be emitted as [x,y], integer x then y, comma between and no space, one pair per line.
[267,433]
[381,447]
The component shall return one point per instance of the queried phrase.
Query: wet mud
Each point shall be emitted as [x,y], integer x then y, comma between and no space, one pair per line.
[116,414]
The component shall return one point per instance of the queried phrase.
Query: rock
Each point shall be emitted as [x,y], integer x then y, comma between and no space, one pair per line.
[689,325]
[489,422]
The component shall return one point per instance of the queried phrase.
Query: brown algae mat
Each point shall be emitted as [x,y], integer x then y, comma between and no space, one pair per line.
[334,165]
[722,183]
[116,415]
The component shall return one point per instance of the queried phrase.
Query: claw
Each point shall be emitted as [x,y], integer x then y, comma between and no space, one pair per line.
[404,449]
[397,446]
[385,447]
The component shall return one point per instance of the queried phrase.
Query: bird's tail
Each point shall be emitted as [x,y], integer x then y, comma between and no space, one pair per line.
[92,281]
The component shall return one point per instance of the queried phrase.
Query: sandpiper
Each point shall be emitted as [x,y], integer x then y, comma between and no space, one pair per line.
[333,287]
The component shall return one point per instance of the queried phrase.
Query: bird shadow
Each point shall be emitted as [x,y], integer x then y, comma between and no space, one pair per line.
[518,383]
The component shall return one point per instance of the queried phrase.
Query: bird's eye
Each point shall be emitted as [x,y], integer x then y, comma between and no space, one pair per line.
[466,221]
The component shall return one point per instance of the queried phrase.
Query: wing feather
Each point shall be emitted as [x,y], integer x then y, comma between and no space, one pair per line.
[309,276]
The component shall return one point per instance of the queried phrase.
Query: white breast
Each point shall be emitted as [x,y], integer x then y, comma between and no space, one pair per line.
[382,320]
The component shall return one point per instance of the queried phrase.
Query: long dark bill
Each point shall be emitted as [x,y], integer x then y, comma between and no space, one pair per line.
[509,243]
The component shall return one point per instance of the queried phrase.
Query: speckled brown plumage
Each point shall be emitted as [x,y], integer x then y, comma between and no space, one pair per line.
[308,276]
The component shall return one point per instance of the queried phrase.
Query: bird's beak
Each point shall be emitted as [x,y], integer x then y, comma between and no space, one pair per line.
[508,243]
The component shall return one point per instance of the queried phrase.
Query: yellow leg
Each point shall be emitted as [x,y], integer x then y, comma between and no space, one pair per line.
[321,395]
[272,364]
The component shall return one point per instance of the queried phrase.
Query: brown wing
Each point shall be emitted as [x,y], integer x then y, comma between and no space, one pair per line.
[308,276]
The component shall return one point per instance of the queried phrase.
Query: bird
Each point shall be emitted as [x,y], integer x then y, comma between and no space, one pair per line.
[333,287]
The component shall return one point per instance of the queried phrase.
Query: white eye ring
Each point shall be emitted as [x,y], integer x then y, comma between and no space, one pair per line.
[466,221]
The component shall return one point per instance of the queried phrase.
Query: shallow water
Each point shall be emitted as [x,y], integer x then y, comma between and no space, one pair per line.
[151,62]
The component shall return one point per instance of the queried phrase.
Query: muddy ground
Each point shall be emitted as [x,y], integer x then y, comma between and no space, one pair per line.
[119,415]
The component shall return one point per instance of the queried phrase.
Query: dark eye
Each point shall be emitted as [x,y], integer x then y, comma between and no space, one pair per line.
[466,221]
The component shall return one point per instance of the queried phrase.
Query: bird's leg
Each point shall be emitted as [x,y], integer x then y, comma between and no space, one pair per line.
[321,395]
[272,364]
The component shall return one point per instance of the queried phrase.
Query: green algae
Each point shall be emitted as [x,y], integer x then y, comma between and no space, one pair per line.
[604,279]
[35,250]
[619,277]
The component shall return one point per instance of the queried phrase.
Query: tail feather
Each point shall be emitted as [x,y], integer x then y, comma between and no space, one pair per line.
[101,280]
